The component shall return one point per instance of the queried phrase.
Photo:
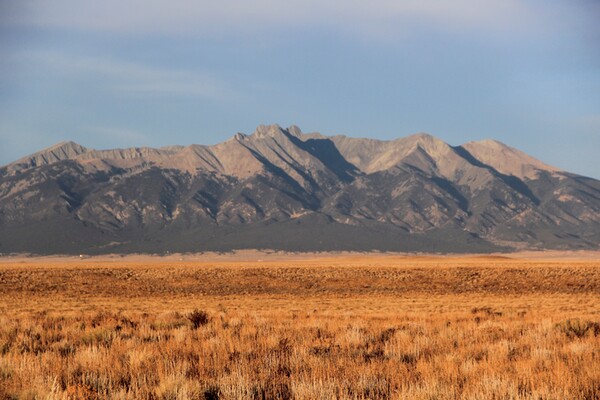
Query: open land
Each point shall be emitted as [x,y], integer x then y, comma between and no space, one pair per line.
[316,326]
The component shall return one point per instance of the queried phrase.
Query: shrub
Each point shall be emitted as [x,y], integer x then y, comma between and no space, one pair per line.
[198,318]
[212,393]
[576,328]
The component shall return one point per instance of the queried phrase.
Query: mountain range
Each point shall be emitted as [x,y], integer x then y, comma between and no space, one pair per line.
[283,189]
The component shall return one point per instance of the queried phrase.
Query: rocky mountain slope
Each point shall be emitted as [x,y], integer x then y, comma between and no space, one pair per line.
[282,189]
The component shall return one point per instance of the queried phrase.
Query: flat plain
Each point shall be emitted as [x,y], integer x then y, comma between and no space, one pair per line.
[313,326]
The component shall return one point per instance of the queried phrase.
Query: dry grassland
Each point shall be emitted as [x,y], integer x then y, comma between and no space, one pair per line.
[348,327]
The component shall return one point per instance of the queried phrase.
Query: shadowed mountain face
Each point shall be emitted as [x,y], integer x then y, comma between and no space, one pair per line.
[282,189]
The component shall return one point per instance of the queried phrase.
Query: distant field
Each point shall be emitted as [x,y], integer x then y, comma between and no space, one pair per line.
[276,326]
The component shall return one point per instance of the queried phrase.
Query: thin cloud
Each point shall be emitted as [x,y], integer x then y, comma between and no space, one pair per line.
[242,16]
[136,79]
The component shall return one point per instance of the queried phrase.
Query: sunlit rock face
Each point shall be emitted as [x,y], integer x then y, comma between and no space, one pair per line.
[283,189]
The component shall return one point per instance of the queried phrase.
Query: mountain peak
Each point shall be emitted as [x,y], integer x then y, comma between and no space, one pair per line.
[240,136]
[67,146]
[60,151]
[424,136]
[427,142]
[274,130]
[294,131]
[507,160]
[264,131]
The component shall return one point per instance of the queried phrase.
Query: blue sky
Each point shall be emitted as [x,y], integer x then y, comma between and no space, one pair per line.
[152,73]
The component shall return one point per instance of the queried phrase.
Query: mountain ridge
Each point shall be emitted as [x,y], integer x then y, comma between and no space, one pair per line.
[283,189]
[72,150]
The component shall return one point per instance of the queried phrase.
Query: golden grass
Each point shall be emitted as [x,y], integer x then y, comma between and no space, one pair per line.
[346,327]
